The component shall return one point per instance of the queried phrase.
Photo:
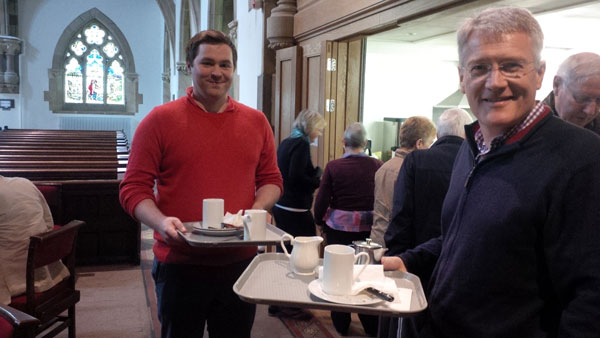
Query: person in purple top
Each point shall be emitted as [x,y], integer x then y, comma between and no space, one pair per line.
[344,205]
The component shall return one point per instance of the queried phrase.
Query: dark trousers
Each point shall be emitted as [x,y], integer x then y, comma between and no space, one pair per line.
[341,320]
[190,296]
[294,223]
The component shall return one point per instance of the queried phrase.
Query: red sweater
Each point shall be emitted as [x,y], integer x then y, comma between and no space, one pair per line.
[192,155]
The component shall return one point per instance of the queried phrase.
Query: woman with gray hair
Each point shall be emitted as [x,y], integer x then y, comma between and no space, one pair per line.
[300,179]
[344,206]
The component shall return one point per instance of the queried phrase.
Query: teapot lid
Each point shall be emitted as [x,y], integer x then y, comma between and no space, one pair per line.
[367,244]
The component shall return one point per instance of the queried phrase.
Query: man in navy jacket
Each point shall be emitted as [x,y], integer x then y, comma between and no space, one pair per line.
[519,254]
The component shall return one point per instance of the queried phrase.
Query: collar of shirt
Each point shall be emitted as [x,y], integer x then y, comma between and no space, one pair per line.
[500,140]
[354,154]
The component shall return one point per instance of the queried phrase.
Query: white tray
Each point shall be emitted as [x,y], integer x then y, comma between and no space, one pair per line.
[269,280]
[273,237]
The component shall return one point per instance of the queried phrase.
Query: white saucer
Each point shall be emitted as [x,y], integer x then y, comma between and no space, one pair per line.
[360,299]
[197,228]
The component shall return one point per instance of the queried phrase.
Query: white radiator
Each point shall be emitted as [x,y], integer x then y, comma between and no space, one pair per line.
[96,123]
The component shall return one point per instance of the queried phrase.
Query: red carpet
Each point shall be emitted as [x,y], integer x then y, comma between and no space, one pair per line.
[303,329]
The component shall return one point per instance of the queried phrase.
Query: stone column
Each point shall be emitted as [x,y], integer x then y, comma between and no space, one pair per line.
[280,25]
[10,48]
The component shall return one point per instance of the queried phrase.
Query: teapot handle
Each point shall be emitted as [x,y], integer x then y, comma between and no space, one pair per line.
[283,245]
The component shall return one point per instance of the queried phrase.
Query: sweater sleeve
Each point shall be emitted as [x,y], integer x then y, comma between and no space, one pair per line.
[267,171]
[572,252]
[143,165]
[323,196]
[422,259]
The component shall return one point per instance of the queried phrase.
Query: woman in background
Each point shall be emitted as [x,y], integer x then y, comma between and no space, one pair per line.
[300,179]
[344,206]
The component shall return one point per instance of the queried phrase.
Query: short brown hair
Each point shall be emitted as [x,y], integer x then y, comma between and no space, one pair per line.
[210,37]
[413,129]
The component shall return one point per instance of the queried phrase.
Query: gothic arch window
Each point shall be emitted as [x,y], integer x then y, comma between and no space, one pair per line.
[93,70]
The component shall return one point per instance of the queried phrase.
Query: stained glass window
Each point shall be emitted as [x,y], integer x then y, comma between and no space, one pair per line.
[114,82]
[78,47]
[73,82]
[95,73]
[94,35]
[110,49]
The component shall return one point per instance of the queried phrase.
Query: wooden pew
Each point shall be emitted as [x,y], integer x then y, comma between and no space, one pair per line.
[79,174]
[110,235]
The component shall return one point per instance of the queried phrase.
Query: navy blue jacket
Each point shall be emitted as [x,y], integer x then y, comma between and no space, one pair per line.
[419,193]
[519,254]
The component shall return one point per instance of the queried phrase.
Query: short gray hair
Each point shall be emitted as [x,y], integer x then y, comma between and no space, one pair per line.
[579,66]
[309,121]
[452,122]
[493,23]
[355,136]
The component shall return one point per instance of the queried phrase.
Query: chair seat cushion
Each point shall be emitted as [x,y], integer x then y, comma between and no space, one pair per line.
[20,302]
[6,329]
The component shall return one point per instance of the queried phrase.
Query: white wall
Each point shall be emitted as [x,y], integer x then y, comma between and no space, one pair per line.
[41,24]
[250,51]
[405,79]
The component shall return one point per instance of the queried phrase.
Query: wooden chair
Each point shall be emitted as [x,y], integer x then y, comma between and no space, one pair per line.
[47,306]
[16,324]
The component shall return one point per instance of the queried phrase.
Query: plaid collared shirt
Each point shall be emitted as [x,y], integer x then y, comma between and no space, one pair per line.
[499,140]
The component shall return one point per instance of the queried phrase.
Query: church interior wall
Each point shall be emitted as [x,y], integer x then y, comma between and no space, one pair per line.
[41,24]
[250,49]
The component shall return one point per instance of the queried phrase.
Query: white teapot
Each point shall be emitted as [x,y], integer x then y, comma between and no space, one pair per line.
[305,254]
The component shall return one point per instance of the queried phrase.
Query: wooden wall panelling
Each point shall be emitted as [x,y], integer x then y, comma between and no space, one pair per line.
[287,90]
[312,93]
[332,93]
[340,98]
[354,80]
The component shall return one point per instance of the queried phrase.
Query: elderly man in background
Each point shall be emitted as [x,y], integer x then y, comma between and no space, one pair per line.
[422,184]
[576,91]
[415,133]
[518,255]
[23,213]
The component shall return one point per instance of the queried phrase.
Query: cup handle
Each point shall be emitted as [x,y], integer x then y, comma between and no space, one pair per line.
[283,245]
[364,265]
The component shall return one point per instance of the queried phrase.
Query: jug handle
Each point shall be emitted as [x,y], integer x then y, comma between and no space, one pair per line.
[283,245]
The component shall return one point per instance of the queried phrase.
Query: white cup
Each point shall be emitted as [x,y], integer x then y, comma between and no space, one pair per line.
[212,213]
[338,269]
[255,224]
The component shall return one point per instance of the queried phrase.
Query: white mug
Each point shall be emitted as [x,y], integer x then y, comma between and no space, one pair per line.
[212,213]
[338,269]
[255,224]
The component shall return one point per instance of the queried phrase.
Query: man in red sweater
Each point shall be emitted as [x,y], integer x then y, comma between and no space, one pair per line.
[203,145]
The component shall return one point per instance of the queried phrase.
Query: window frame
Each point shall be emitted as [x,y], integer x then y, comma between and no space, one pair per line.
[56,93]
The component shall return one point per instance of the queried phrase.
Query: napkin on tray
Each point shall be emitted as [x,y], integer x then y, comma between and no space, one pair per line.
[373,277]
[233,219]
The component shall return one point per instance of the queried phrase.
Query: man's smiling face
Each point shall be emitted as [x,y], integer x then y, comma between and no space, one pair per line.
[498,101]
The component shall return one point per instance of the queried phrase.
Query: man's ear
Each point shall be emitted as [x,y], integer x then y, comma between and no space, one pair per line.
[557,83]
